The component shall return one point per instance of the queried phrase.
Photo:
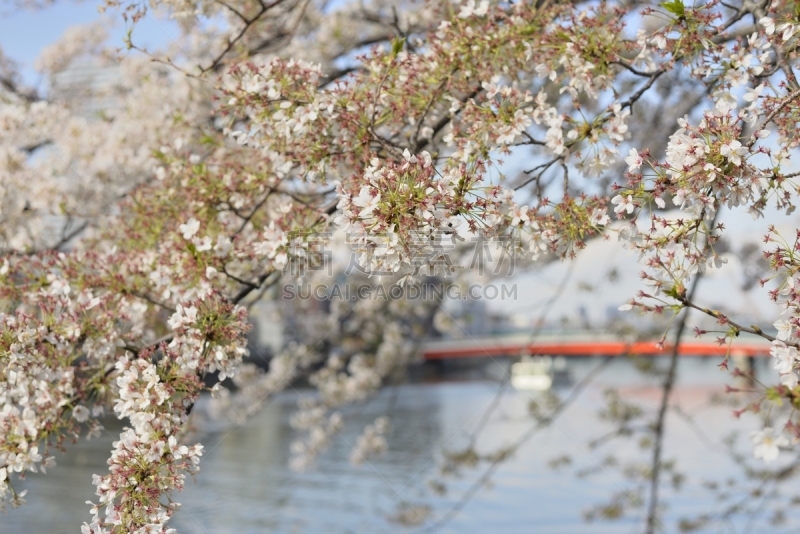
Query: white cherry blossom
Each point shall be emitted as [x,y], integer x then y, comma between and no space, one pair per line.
[766,444]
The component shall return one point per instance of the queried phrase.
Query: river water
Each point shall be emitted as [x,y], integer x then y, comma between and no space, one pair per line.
[245,485]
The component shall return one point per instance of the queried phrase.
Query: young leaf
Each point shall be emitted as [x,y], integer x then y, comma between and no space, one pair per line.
[397,45]
[675,7]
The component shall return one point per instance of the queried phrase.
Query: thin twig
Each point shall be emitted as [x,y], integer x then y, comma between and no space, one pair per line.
[669,383]
[531,432]
[722,318]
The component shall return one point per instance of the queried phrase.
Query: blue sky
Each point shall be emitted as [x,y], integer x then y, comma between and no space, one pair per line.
[24,32]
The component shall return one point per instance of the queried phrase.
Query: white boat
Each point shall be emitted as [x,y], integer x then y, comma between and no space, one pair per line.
[532,373]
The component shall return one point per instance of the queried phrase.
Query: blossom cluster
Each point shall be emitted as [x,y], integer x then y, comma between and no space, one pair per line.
[155,395]
[140,218]
[729,158]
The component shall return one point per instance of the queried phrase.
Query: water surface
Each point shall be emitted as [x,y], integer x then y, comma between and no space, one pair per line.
[245,485]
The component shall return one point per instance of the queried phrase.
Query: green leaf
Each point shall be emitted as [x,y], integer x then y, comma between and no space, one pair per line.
[675,7]
[206,139]
[773,395]
[673,292]
[397,45]
[128,39]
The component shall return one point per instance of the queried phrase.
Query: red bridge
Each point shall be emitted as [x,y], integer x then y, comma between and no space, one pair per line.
[584,345]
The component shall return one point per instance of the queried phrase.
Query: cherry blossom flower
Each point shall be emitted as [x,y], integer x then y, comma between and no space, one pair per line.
[189,228]
[624,203]
[766,444]
[785,329]
[634,160]
[768,23]
[733,151]
[520,216]
[600,217]
[80,413]
[469,9]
